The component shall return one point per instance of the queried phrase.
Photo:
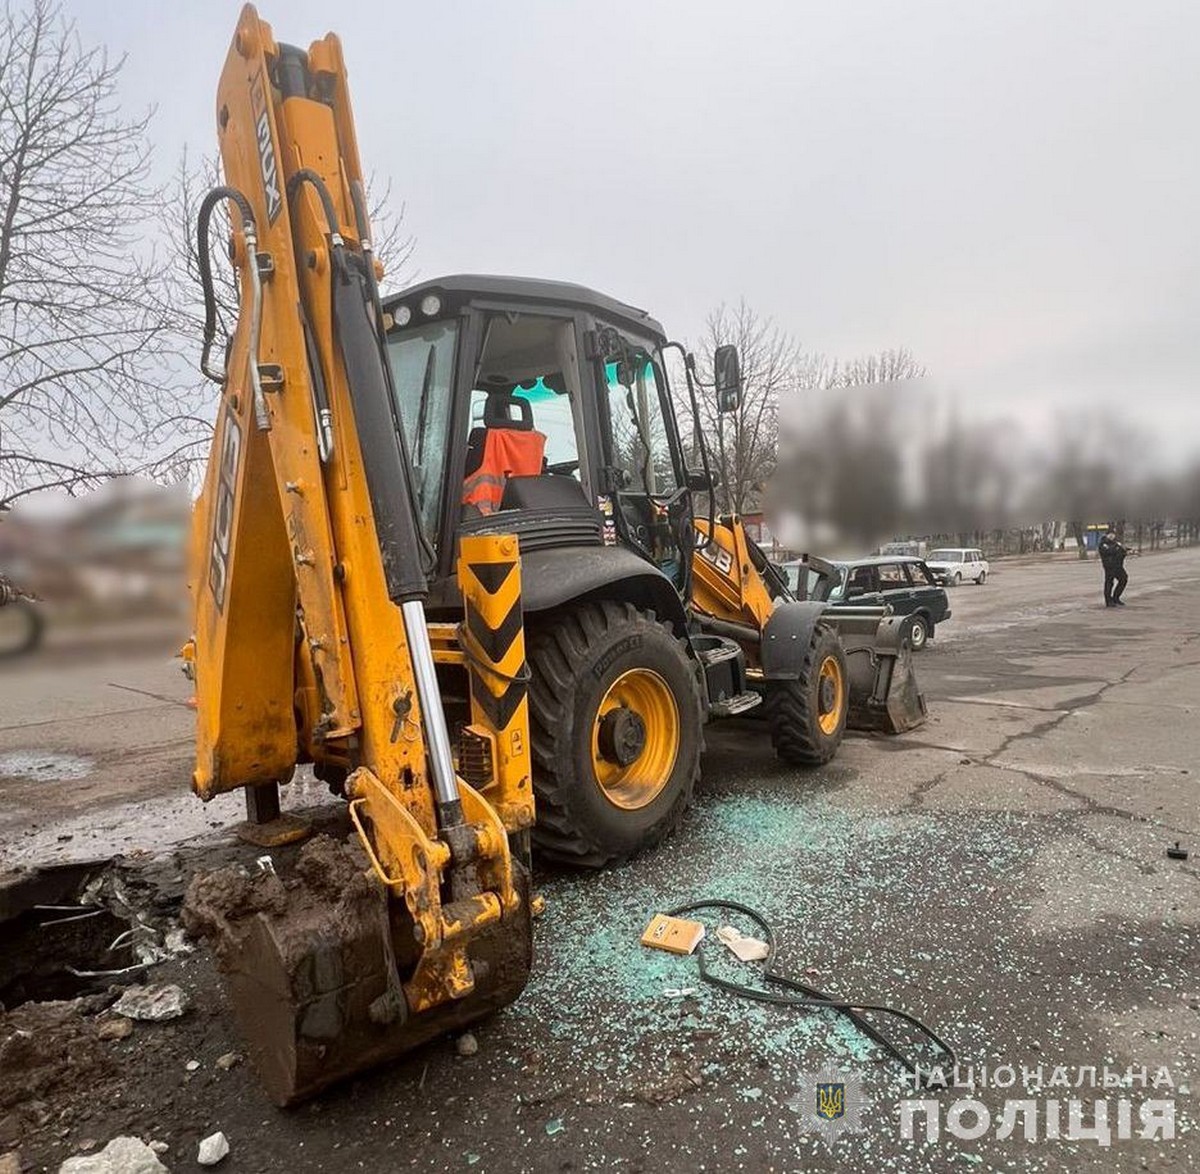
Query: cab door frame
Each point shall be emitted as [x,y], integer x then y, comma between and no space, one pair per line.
[606,460]
[472,340]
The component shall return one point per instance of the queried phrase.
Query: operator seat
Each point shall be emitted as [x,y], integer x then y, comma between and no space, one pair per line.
[506,445]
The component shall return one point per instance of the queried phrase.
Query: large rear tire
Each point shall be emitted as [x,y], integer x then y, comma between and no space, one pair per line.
[808,715]
[616,732]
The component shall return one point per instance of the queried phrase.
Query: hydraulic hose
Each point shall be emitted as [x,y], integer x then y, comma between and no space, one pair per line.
[306,175]
[357,323]
[807,996]
[204,261]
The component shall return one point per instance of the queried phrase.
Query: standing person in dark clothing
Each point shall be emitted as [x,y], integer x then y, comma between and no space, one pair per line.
[1112,558]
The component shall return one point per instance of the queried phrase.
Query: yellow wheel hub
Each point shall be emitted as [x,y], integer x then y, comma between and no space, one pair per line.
[831,695]
[635,739]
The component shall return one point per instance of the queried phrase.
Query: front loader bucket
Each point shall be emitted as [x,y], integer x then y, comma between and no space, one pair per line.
[313,966]
[884,695]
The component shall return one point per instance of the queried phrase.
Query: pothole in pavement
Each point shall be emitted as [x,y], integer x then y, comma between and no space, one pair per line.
[70,930]
[44,766]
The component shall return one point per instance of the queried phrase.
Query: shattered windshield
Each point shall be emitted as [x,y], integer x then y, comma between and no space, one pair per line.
[422,360]
[640,444]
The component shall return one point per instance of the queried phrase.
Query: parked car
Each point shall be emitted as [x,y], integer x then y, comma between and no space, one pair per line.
[906,585]
[952,564]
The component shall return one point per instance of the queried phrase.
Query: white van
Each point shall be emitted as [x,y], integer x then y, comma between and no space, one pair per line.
[951,565]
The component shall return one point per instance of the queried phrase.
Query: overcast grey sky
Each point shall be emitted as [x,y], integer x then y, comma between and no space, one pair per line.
[1010,189]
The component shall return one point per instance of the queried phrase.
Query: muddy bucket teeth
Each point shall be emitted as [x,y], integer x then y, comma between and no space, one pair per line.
[309,965]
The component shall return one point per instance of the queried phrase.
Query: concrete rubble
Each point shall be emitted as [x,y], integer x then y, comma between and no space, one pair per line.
[213,1149]
[154,1003]
[122,1155]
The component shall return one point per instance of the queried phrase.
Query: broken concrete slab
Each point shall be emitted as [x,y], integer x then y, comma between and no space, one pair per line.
[153,1003]
[122,1155]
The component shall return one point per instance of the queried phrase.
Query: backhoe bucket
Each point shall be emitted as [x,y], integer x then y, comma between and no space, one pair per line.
[313,965]
[884,695]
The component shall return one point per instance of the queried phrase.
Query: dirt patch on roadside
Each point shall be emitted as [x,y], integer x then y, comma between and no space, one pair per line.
[47,1050]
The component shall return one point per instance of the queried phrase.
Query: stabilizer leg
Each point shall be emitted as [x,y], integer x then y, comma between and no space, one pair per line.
[265,826]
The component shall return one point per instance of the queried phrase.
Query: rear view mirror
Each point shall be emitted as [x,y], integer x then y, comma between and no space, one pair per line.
[727,375]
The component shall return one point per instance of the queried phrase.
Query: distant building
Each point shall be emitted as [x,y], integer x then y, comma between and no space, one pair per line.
[119,549]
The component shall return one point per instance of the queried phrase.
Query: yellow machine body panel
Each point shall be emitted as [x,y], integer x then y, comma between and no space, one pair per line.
[725,583]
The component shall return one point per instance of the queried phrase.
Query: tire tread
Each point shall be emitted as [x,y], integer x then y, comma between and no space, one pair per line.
[790,714]
[555,651]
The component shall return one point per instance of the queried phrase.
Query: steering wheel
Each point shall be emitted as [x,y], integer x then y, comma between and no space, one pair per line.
[563,468]
[666,506]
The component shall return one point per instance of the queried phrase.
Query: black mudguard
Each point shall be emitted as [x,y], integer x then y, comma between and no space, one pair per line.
[558,576]
[786,638]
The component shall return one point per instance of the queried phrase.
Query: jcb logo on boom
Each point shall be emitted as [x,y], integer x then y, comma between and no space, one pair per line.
[218,558]
[710,552]
[266,148]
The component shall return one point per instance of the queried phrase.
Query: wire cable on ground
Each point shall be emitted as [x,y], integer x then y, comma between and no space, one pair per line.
[807,996]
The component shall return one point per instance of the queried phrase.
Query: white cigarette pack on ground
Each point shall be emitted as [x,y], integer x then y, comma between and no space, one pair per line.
[747,949]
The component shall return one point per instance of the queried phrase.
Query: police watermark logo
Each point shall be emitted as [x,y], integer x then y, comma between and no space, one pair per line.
[830,1103]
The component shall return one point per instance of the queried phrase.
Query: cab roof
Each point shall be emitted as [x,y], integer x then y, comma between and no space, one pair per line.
[462,287]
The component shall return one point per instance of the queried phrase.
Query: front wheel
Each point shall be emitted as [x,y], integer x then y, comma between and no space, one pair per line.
[616,733]
[920,632]
[808,715]
[957,580]
[982,578]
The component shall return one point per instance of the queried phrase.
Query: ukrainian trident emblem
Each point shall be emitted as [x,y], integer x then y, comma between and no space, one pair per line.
[830,1103]
[831,1100]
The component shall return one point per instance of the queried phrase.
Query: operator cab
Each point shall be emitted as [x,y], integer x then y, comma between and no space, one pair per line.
[542,408]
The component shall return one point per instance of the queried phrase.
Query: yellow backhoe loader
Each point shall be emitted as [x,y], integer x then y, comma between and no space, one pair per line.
[397,496]
[543,409]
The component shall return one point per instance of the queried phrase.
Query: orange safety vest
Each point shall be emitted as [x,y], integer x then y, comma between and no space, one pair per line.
[507,452]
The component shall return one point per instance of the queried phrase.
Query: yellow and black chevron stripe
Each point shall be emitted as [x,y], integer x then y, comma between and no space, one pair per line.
[494,635]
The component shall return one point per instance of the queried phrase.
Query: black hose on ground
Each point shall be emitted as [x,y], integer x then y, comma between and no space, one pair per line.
[808,996]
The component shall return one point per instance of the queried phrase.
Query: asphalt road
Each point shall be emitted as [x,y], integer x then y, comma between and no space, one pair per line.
[1000,873]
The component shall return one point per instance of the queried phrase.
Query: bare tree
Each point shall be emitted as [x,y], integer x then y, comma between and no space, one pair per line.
[887,366]
[394,245]
[742,444]
[181,439]
[841,476]
[80,318]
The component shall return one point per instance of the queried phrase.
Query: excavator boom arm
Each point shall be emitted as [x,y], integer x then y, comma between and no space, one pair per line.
[308,583]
